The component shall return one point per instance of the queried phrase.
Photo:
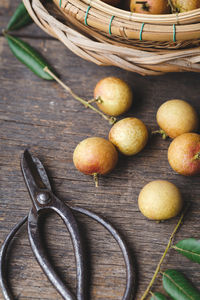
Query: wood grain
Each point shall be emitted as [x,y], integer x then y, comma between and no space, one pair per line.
[41,116]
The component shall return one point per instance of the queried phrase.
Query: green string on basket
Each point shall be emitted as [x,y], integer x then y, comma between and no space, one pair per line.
[110,25]
[60,3]
[174,32]
[86,15]
[141,31]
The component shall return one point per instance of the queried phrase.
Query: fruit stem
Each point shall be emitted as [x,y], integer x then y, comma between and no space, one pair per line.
[197,156]
[92,101]
[96,179]
[164,254]
[172,6]
[98,99]
[111,120]
[162,132]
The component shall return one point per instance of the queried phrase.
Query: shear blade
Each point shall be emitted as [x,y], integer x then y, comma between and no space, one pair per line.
[34,173]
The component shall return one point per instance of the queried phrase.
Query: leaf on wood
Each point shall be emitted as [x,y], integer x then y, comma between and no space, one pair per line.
[178,287]
[28,56]
[189,248]
[20,18]
[158,296]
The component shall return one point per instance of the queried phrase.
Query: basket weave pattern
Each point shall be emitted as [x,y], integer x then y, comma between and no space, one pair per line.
[146,44]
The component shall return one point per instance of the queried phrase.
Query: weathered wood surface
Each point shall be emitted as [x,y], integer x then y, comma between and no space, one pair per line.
[39,115]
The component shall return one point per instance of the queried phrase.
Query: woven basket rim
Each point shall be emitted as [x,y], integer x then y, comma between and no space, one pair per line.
[101,52]
[179,33]
[173,18]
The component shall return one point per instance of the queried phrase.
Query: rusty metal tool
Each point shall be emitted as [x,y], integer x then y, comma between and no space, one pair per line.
[43,201]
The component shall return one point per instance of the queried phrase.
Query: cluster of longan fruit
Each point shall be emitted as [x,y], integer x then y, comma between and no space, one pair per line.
[177,119]
[155,6]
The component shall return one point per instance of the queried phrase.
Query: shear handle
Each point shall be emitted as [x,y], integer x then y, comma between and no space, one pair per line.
[35,240]
[130,281]
[130,278]
[3,282]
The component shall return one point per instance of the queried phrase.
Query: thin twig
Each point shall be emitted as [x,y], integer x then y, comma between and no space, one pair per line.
[163,256]
[111,120]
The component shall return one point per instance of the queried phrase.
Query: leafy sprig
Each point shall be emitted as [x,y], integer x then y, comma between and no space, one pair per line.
[176,285]
[163,256]
[35,61]
[190,248]
[19,19]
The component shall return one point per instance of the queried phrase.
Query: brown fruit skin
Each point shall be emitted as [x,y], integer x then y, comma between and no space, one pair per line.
[181,153]
[116,96]
[185,5]
[95,155]
[112,2]
[160,200]
[129,135]
[151,7]
[125,4]
[176,117]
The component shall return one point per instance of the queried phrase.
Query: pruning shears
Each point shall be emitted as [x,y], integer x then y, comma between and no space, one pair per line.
[43,201]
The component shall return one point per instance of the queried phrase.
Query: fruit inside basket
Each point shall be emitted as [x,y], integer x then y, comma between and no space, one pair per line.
[144,43]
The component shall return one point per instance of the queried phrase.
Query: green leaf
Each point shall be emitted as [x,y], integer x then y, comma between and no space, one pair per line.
[158,296]
[178,287]
[20,18]
[28,56]
[189,248]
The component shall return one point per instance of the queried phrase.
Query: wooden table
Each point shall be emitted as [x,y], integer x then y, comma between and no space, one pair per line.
[39,115]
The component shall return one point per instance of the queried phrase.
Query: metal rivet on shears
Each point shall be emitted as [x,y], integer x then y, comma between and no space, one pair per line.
[43,198]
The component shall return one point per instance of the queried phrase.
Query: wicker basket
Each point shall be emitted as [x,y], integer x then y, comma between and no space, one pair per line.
[105,35]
